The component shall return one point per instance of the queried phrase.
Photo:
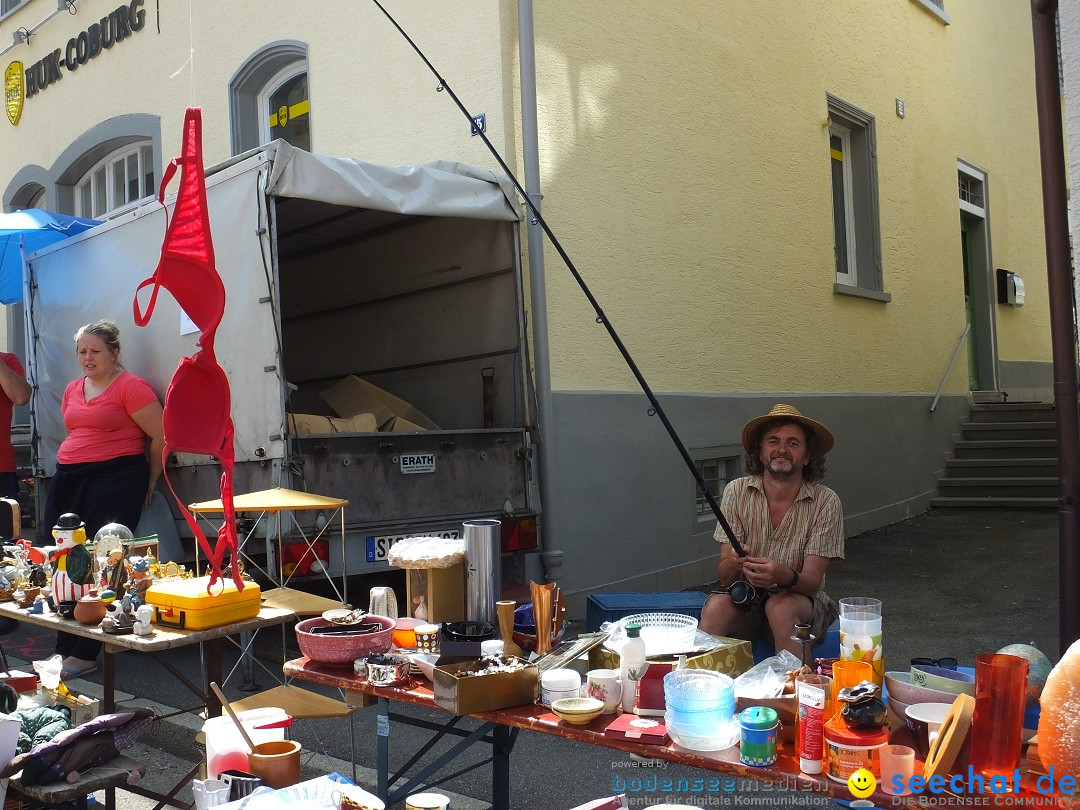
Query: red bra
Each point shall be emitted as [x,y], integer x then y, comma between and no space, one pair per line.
[198,403]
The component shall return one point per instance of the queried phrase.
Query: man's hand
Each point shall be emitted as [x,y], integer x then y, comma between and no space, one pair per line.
[762,572]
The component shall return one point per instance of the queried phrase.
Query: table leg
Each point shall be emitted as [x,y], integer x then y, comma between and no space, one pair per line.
[502,745]
[108,675]
[212,649]
[382,732]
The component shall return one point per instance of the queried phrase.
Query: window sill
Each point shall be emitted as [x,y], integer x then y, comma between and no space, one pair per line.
[862,292]
[937,12]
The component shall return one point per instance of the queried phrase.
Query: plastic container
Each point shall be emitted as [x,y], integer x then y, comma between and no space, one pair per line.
[847,750]
[559,683]
[225,748]
[632,665]
[699,690]
[610,607]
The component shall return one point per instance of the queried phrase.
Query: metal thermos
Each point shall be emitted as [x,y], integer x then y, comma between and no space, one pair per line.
[483,583]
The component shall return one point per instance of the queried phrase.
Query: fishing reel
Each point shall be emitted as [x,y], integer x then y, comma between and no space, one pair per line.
[745,595]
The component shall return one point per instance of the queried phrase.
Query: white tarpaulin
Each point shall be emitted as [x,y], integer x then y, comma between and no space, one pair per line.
[442,188]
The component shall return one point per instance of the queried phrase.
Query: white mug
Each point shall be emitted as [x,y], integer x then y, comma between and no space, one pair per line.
[605,686]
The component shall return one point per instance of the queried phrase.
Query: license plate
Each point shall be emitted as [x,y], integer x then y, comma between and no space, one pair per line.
[379,545]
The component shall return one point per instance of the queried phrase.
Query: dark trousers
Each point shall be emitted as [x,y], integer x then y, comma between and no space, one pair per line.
[100,492]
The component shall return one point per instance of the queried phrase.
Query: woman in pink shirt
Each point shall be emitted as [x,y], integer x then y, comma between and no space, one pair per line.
[103,472]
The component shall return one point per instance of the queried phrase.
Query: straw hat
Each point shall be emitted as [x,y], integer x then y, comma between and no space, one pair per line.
[790,414]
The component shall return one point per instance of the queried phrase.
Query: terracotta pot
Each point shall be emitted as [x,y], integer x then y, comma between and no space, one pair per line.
[90,609]
[276,762]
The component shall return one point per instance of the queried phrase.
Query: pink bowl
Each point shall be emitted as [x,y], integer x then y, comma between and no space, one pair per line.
[343,649]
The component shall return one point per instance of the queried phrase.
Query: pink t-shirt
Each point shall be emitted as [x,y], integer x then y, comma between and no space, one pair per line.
[7,450]
[102,428]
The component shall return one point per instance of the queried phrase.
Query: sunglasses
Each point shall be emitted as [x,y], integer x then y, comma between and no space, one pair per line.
[943,663]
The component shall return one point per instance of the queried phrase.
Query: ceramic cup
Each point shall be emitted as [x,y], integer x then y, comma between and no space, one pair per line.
[604,685]
[924,721]
[427,638]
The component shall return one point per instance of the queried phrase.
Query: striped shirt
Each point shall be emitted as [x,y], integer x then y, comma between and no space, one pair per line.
[814,525]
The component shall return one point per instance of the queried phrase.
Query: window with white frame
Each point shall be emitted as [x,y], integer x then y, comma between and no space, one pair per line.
[856,229]
[269,99]
[119,179]
[8,6]
[717,469]
[285,108]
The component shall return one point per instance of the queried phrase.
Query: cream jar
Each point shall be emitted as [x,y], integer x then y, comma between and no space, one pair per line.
[559,683]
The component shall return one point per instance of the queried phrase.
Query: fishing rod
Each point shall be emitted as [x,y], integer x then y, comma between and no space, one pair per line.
[601,318]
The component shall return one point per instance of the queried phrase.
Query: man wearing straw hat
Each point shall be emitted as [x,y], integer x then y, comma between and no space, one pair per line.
[791,528]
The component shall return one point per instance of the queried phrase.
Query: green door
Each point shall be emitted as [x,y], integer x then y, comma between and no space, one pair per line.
[969,310]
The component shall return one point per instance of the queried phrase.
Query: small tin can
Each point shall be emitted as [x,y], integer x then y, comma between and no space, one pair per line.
[758,726]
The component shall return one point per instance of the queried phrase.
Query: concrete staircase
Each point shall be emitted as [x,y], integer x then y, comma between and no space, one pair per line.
[1004,456]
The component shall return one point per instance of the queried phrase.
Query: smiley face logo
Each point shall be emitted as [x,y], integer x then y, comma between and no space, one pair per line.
[861,783]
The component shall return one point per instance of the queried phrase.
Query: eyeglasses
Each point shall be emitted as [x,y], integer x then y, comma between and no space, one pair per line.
[943,663]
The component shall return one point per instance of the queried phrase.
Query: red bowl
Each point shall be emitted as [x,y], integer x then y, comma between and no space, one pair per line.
[343,649]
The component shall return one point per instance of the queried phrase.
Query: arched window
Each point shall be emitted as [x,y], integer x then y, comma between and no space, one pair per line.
[269,98]
[120,178]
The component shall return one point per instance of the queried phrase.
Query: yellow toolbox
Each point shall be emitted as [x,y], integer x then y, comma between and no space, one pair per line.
[185,603]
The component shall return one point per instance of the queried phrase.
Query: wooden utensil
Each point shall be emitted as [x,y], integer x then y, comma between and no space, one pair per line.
[229,709]
[954,730]
[505,612]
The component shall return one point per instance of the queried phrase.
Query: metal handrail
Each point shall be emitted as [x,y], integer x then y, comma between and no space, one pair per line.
[948,370]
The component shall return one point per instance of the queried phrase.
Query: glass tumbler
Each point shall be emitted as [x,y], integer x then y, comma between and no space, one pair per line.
[860,633]
[998,725]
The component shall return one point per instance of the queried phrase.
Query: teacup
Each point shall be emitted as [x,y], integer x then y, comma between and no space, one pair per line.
[924,721]
[605,686]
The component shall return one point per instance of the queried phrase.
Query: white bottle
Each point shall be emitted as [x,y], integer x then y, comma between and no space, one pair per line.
[632,665]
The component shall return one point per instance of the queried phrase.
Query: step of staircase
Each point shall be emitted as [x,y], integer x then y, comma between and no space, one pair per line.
[1000,467]
[1013,412]
[994,503]
[1009,430]
[1005,456]
[1005,449]
[1012,486]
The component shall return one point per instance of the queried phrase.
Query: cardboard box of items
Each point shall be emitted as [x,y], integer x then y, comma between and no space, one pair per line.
[462,693]
[351,396]
[309,424]
[731,656]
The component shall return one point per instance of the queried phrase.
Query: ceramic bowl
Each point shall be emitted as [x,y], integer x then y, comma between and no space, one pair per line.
[425,663]
[404,632]
[898,686]
[578,710]
[346,647]
[944,680]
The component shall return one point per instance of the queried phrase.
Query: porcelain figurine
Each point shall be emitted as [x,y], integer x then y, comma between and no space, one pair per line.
[143,618]
[138,584]
[72,563]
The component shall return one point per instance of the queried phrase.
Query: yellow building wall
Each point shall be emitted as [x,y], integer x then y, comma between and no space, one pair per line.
[372,97]
[685,157]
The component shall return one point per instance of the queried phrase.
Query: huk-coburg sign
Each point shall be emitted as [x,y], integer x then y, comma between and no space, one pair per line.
[22,83]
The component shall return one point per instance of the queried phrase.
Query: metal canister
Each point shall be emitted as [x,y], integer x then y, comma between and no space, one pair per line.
[758,726]
[483,560]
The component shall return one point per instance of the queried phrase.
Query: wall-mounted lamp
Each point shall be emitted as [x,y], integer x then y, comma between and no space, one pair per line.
[66,5]
[21,35]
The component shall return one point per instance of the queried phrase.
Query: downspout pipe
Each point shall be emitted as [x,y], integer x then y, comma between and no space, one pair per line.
[550,556]
[1062,329]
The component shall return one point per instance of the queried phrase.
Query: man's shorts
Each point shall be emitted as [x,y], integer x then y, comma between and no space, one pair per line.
[825,613]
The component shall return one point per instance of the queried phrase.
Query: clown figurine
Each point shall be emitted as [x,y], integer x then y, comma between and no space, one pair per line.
[72,563]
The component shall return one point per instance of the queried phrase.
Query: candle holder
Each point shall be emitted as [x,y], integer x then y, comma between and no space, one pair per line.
[806,638]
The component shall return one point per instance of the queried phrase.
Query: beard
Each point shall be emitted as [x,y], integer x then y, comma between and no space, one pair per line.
[782,468]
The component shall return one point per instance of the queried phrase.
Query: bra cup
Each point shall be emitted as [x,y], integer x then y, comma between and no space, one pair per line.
[198,407]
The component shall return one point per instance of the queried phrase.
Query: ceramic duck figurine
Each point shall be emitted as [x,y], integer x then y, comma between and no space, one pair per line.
[72,563]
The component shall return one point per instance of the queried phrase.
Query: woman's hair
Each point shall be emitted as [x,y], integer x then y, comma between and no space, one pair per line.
[108,332]
[814,471]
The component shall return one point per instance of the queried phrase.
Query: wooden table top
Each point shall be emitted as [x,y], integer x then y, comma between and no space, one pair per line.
[784,775]
[163,638]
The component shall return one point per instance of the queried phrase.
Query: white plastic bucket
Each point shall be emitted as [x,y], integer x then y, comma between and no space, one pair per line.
[225,748]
